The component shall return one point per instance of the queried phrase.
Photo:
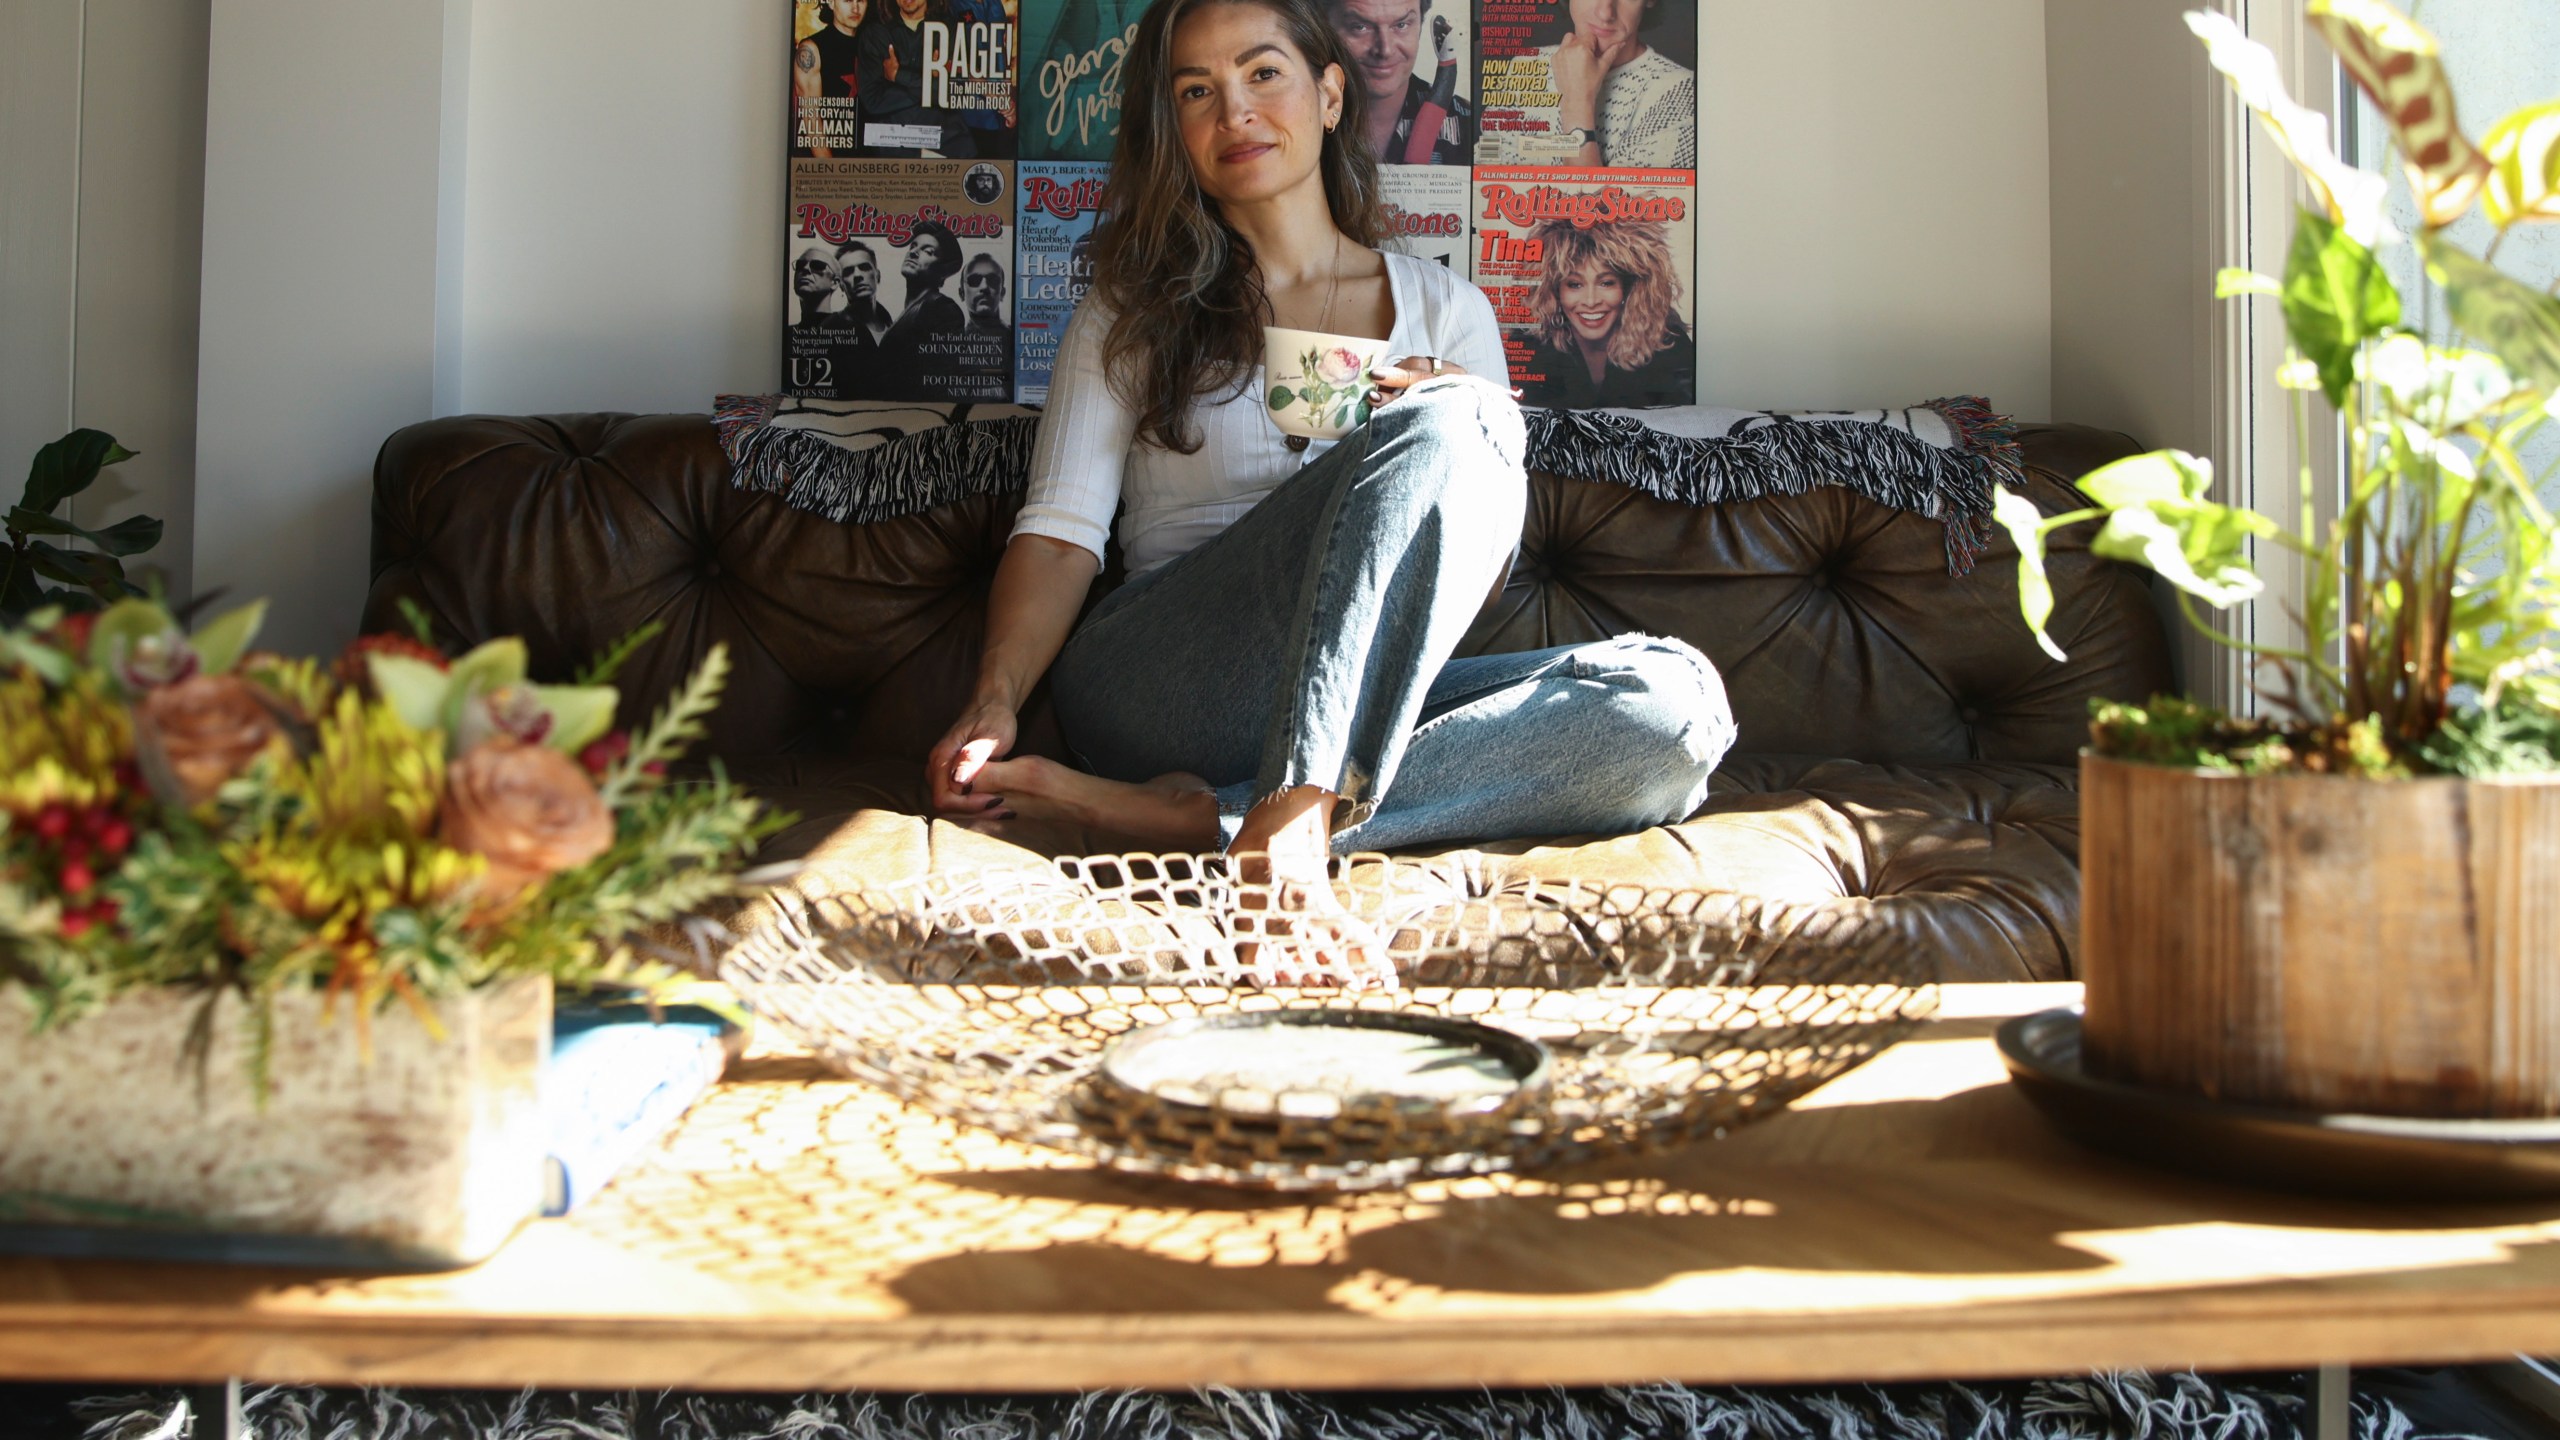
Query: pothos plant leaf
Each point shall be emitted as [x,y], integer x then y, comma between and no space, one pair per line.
[2019,516]
[2160,518]
[2352,197]
[2200,548]
[2335,297]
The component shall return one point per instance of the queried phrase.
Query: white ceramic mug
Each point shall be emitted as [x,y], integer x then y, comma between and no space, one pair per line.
[1316,384]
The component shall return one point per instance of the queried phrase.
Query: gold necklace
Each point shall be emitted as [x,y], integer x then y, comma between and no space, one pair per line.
[1333,286]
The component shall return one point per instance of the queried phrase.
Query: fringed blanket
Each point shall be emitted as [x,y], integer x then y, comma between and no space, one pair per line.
[861,461]
[2129,1405]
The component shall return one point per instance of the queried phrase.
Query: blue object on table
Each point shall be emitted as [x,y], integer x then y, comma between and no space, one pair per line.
[619,1080]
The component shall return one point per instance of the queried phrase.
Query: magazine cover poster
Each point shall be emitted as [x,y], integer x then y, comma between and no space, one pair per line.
[924,78]
[1053,235]
[1592,278]
[1558,80]
[1414,63]
[826,120]
[1072,56]
[1427,209]
[900,280]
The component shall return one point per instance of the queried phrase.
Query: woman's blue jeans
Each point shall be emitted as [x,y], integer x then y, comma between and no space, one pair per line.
[1310,643]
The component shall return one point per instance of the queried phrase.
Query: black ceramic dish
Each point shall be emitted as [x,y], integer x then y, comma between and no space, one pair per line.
[2368,1156]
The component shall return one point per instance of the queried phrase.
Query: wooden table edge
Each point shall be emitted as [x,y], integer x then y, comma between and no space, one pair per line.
[1006,1353]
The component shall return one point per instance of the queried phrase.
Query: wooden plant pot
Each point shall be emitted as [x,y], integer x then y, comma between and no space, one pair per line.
[2386,947]
[427,1153]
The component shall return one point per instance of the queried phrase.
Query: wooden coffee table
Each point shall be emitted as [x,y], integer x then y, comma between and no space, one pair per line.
[1913,1219]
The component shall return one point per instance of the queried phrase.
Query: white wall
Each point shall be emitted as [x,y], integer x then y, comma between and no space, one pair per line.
[39,226]
[1873,203]
[102,167]
[323,122]
[2131,259]
[623,213]
[141,219]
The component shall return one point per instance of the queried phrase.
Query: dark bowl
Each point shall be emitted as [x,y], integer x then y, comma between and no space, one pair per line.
[2363,1156]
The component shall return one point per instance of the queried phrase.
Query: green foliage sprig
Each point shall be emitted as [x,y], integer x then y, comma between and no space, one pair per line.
[2431,600]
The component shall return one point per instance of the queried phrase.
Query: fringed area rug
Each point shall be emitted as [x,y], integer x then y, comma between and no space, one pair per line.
[864,461]
[2117,1406]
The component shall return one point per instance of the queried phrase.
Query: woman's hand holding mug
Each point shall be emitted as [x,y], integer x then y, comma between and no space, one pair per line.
[1387,382]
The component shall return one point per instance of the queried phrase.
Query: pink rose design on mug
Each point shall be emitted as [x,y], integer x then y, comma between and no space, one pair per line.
[1339,365]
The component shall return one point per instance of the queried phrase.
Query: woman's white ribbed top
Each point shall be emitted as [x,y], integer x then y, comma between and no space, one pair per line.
[1088,461]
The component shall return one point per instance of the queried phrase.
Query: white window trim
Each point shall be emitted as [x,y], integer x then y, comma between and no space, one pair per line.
[2251,195]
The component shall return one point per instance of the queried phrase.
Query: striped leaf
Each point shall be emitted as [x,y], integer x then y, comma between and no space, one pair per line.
[2400,67]
[2524,165]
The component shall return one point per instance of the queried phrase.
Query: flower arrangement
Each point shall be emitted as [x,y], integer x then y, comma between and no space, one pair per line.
[2432,596]
[178,809]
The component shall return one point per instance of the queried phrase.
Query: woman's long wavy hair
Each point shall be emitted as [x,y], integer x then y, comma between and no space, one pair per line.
[1637,253]
[1188,297]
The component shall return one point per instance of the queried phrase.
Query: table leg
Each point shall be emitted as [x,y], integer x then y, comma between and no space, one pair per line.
[2331,1414]
[234,1423]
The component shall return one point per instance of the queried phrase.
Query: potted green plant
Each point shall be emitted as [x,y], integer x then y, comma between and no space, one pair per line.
[35,571]
[2348,905]
[277,938]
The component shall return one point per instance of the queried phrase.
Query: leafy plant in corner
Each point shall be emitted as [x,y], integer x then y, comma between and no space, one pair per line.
[39,572]
[2432,595]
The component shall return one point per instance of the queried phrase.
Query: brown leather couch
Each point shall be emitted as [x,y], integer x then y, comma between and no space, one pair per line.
[1904,744]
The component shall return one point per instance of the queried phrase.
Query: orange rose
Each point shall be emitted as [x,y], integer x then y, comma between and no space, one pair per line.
[203,730]
[528,809]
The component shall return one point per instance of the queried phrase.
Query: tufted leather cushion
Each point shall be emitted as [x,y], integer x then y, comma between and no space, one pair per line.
[1932,737]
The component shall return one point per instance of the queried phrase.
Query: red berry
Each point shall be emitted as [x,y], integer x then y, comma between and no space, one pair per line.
[600,753]
[75,923]
[104,910]
[115,837]
[76,878]
[53,822]
[654,768]
[75,851]
[74,630]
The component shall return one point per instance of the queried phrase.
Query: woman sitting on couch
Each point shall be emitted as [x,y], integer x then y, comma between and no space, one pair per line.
[1276,676]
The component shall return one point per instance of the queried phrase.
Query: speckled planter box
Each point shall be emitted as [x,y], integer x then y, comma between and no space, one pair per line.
[425,1154]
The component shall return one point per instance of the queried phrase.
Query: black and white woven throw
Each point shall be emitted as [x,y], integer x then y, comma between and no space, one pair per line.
[2128,1405]
[861,461]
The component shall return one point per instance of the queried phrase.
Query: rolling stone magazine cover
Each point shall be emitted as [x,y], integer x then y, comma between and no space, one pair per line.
[949,158]
[901,280]
[1590,274]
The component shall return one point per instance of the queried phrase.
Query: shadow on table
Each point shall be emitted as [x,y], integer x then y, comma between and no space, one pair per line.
[1996,1195]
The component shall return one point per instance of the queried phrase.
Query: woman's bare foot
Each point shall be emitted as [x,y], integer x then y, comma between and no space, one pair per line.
[1170,812]
[1307,936]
